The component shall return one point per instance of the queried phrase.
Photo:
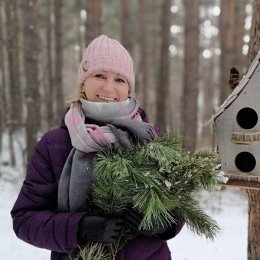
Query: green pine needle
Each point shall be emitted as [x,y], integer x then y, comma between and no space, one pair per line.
[159,180]
[197,220]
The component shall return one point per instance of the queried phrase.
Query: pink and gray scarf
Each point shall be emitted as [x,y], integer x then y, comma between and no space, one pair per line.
[117,124]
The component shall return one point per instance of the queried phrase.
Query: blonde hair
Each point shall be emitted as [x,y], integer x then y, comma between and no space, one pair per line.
[76,97]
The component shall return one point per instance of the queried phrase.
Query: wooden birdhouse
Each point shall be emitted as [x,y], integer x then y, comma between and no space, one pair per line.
[237,127]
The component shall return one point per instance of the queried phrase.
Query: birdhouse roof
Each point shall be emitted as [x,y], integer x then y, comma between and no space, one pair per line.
[233,96]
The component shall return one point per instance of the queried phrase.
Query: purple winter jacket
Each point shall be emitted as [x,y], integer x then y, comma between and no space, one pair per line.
[35,216]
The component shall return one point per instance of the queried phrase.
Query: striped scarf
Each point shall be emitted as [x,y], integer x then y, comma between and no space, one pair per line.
[121,124]
[89,137]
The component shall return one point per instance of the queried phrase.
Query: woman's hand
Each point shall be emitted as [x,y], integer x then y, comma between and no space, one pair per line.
[134,219]
[102,229]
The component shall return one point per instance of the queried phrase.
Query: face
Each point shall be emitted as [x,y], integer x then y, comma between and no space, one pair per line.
[105,87]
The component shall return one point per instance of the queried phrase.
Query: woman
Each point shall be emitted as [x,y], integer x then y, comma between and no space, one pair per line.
[50,211]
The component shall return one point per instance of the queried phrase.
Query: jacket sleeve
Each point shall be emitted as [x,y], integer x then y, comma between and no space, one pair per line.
[35,217]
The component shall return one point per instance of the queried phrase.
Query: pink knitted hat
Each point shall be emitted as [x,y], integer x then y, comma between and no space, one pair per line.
[106,54]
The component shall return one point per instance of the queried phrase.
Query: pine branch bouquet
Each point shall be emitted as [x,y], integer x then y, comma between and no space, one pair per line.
[158,180]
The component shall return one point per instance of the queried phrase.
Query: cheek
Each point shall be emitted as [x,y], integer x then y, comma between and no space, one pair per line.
[91,90]
[123,93]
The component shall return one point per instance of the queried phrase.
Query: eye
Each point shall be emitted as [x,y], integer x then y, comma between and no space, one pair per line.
[120,80]
[99,75]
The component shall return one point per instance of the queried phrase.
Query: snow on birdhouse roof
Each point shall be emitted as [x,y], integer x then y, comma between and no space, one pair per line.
[242,84]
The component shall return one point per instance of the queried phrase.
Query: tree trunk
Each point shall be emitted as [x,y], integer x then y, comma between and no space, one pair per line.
[59,96]
[254,45]
[93,21]
[143,52]
[80,41]
[127,27]
[3,97]
[209,83]
[239,59]
[49,100]
[208,97]
[31,44]
[13,67]
[253,245]
[226,30]
[17,65]
[162,90]
[14,97]
[153,12]
[191,75]
[232,31]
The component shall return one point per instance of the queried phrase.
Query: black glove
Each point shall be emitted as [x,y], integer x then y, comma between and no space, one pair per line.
[99,229]
[134,219]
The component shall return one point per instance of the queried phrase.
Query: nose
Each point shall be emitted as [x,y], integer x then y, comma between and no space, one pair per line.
[109,85]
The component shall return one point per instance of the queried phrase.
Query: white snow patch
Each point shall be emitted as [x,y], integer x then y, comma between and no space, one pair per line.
[228,208]
[11,247]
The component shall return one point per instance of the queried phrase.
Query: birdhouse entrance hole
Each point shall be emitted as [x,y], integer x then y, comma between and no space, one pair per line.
[247,118]
[245,162]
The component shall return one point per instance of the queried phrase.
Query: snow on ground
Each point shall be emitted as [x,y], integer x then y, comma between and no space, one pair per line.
[228,208]
[11,247]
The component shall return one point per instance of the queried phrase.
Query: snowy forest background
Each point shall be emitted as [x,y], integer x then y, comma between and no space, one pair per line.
[183,52]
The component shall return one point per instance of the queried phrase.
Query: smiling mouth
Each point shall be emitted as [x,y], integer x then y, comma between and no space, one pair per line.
[107,99]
